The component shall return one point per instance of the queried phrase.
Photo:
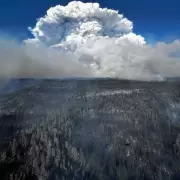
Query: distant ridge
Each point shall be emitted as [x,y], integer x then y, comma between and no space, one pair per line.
[173,78]
[18,84]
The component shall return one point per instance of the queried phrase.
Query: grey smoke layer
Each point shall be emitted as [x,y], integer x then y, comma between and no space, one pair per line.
[84,40]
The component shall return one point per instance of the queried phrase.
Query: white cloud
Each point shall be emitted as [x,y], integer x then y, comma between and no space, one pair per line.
[82,39]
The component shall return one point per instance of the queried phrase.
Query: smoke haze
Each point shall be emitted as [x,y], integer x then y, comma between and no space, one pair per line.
[84,40]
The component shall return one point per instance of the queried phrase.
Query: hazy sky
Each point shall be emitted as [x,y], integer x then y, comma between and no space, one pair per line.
[110,38]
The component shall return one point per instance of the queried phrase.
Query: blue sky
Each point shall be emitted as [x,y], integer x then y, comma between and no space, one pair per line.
[156,20]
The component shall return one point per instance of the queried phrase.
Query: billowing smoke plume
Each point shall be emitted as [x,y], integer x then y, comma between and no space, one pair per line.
[82,39]
[26,61]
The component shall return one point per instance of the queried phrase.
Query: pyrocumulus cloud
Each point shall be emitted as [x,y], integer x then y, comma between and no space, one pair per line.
[85,40]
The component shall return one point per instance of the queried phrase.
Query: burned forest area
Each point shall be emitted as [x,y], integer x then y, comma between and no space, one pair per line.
[103,129]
